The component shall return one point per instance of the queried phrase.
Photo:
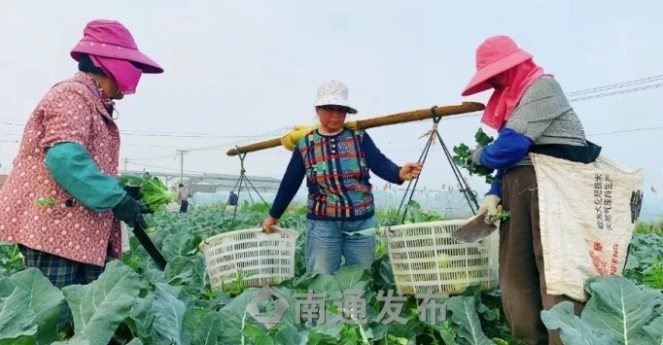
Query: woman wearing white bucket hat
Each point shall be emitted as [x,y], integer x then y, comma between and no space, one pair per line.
[336,162]
[532,114]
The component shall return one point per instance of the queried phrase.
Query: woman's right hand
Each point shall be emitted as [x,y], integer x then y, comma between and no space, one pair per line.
[268,224]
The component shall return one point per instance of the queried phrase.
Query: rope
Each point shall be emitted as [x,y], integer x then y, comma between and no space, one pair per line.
[433,135]
[430,133]
[247,184]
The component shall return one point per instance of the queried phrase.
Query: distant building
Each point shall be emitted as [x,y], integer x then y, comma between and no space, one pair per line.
[213,183]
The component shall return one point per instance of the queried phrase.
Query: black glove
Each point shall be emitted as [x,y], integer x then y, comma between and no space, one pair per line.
[136,194]
[129,211]
[144,209]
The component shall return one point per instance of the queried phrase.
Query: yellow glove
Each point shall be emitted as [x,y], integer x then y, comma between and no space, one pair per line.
[290,139]
[491,207]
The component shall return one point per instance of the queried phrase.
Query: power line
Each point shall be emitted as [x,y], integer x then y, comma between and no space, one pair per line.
[600,95]
[123,144]
[269,134]
[181,170]
[282,130]
[615,86]
[574,93]
[158,134]
[171,169]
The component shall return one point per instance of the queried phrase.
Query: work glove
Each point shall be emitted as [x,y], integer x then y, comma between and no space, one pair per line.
[144,209]
[129,211]
[134,193]
[491,207]
[475,155]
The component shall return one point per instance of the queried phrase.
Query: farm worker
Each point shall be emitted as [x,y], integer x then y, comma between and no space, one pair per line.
[336,161]
[232,199]
[183,198]
[62,203]
[531,114]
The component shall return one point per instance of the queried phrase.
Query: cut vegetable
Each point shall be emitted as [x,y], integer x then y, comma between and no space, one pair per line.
[462,156]
[152,192]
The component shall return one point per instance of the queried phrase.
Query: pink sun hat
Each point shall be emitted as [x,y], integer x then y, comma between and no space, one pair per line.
[110,39]
[494,56]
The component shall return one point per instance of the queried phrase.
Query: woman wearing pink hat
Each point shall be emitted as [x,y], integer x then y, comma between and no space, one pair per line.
[531,113]
[61,202]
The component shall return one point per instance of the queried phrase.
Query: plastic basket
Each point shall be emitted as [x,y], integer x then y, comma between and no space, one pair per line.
[425,257]
[173,207]
[260,259]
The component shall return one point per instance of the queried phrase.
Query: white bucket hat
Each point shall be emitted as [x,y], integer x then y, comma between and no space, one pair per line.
[334,93]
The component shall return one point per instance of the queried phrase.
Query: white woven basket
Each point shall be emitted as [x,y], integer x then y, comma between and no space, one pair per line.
[173,207]
[425,257]
[261,259]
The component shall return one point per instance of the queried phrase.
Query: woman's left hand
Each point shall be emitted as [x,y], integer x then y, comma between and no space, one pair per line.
[410,171]
[475,155]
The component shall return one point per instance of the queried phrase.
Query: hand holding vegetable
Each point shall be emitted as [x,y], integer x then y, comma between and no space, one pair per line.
[463,157]
[475,155]
[489,205]
[148,189]
[136,194]
[129,211]
[492,207]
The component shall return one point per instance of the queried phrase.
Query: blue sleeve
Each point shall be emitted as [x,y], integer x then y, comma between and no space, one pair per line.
[379,164]
[496,186]
[292,180]
[508,149]
[72,167]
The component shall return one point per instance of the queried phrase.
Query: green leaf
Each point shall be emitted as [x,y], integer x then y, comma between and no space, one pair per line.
[17,320]
[179,244]
[464,314]
[235,315]
[572,329]
[100,307]
[168,318]
[257,335]
[654,330]
[46,301]
[620,307]
[287,335]
[203,326]
[617,309]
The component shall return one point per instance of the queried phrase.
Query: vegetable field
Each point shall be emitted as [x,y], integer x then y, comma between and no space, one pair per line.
[135,303]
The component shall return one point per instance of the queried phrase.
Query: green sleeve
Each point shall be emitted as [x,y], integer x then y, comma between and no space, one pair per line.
[72,167]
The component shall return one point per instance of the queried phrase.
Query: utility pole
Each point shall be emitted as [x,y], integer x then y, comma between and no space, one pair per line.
[182,153]
[126,162]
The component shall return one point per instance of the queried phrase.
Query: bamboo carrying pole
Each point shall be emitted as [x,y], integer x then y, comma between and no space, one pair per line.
[410,116]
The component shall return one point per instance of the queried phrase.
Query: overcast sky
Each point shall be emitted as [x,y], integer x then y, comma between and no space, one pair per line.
[237,69]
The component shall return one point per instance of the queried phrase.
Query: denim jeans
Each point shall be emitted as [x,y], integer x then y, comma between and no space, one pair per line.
[329,240]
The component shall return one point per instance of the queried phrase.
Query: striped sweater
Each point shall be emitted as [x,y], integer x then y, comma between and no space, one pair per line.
[543,120]
[337,172]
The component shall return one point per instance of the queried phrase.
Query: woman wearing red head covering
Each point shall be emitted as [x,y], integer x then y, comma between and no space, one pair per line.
[61,202]
[531,113]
